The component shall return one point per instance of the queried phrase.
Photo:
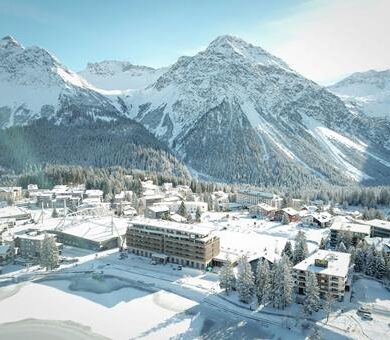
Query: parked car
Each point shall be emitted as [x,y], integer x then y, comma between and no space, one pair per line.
[363,309]
[179,267]
[367,316]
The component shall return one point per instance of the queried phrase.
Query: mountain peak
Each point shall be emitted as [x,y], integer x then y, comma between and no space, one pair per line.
[233,47]
[9,41]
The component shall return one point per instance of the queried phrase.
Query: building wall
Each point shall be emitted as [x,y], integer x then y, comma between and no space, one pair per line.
[180,248]
[333,285]
[380,232]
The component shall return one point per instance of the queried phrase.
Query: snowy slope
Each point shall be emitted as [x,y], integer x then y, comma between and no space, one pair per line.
[120,75]
[34,84]
[235,101]
[368,92]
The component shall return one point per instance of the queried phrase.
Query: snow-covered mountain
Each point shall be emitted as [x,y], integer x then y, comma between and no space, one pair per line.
[233,112]
[120,75]
[34,84]
[368,92]
[49,114]
[237,113]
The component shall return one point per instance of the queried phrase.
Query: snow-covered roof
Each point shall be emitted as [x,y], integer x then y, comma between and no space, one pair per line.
[199,229]
[11,211]
[337,263]
[352,227]
[290,211]
[158,208]
[266,207]
[379,224]
[322,217]
[96,229]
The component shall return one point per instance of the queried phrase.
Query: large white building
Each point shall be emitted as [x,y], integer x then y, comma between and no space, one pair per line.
[248,197]
[332,271]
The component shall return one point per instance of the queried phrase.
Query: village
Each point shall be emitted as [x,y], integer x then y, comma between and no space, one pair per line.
[305,268]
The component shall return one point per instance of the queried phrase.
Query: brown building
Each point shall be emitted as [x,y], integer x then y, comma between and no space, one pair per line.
[292,214]
[184,244]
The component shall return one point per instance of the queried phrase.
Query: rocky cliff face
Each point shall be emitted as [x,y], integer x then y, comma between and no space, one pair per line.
[237,113]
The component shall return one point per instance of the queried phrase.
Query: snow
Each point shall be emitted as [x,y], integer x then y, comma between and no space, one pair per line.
[368,91]
[353,227]
[338,263]
[120,75]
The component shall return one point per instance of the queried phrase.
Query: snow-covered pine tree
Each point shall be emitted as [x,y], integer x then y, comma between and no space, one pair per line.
[380,268]
[288,281]
[288,250]
[282,283]
[311,303]
[263,282]
[359,260]
[300,247]
[370,264]
[54,213]
[226,276]
[198,214]
[49,257]
[182,210]
[285,219]
[245,280]
[341,247]
[322,244]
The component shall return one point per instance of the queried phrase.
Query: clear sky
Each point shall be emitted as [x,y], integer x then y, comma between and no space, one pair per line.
[322,39]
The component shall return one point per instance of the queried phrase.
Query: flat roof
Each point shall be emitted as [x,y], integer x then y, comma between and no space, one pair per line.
[322,216]
[96,229]
[352,227]
[188,228]
[256,193]
[338,263]
[11,211]
[379,224]
[158,208]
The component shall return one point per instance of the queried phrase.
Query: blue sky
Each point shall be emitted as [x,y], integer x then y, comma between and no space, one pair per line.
[157,32]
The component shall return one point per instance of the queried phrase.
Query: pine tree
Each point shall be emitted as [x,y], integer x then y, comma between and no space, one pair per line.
[359,260]
[282,283]
[380,268]
[245,280]
[312,295]
[263,282]
[49,257]
[370,264]
[322,244]
[54,213]
[285,219]
[182,210]
[300,248]
[288,250]
[226,276]
[341,247]
[198,215]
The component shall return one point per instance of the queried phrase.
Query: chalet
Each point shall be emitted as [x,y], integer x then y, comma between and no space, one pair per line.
[292,214]
[262,210]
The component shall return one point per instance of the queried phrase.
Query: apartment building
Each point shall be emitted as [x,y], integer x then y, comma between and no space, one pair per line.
[332,271]
[248,197]
[357,231]
[10,193]
[185,244]
[30,244]
[379,228]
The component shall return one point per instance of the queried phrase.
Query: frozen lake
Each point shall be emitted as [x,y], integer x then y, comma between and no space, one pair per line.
[113,308]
